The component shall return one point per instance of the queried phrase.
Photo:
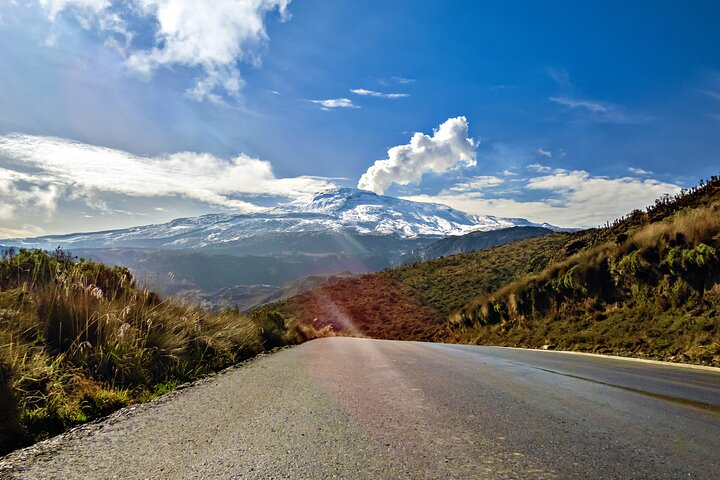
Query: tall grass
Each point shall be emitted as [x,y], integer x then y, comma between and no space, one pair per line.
[79,340]
[661,271]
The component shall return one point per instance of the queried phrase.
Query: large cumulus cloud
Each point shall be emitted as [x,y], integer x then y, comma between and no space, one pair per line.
[448,148]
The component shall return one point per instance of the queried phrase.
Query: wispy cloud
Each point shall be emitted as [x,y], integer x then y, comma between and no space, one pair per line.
[332,103]
[639,171]
[538,167]
[39,171]
[591,105]
[559,75]
[544,153]
[405,80]
[600,111]
[475,184]
[373,93]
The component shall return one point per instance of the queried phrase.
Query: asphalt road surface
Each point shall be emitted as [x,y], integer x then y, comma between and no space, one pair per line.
[356,408]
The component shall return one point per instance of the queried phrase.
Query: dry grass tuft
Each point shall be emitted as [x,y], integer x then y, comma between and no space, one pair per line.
[79,340]
[644,296]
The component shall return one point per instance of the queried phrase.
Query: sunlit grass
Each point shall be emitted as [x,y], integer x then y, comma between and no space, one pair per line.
[79,340]
[652,292]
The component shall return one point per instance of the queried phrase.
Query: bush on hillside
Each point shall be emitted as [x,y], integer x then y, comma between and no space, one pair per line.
[80,339]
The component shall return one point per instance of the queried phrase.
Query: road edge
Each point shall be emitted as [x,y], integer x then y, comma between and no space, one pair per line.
[10,460]
[692,366]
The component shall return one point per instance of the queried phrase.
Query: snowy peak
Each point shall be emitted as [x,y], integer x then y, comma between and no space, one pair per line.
[368,212]
[333,201]
[337,211]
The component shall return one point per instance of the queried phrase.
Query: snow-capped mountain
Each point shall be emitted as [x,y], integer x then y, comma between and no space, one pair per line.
[229,259]
[345,211]
[369,213]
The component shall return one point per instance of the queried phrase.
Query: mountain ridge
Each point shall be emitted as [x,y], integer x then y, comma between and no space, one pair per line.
[338,211]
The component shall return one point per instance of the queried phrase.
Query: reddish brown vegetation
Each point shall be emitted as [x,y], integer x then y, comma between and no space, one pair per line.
[369,305]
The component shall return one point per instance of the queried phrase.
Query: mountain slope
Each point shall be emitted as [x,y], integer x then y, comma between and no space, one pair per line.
[655,292]
[343,212]
[473,241]
[237,259]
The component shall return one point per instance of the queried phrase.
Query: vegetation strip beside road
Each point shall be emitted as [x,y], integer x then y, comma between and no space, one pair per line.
[78,340]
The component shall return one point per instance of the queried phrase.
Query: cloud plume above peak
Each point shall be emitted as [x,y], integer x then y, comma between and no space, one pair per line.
[448,148]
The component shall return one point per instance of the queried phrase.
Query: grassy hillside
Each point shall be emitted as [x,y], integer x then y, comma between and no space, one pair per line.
[413,302]
[644,285]
[472,242]
[654,291]
[79,340]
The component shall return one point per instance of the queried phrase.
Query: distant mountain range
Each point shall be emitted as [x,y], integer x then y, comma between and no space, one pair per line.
[472,242]
[343,211]
[225,256]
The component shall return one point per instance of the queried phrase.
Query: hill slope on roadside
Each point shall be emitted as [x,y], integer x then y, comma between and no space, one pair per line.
[79,340]
[472,242]
[413,301]
[645,285]
[654,291]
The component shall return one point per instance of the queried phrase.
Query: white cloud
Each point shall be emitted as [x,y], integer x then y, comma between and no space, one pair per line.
[210,36]
[568,198]
[538,167]
[639,171]
[544,153]
[600,111]
[477,183]
[591,105]
[39,170]
[335,103]
[89,14]
[18,192]
[448,148]
[403,80]
[88,7]
[373,93]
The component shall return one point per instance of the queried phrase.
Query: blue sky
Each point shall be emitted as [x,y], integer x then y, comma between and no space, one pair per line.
[122,113]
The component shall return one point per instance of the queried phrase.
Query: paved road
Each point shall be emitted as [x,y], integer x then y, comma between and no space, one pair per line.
[354,408]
